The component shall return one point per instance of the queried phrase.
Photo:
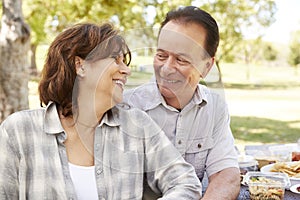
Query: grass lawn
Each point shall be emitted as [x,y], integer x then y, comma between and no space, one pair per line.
[264,108]
[264,101]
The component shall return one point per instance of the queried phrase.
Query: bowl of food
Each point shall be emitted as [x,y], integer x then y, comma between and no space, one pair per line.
[292,169]
[266,186]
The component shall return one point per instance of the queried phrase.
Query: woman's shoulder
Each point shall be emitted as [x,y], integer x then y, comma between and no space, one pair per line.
[23,117]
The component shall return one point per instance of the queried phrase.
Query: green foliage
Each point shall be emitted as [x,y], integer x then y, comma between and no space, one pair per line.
[234,17]
[32,12]
[294,55]
[254,51]
[47,18]
[51,17]
[249,51]
[269,52]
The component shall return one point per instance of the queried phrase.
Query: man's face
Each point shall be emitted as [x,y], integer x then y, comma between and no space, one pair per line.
[180,61]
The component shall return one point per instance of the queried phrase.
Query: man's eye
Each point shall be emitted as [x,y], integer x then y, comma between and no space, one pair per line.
[182,61]
[161,56]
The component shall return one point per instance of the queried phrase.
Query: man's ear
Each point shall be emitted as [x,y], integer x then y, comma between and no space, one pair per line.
[208,66]
[79,66]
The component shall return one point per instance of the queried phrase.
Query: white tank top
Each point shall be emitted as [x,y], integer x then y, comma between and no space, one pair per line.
[84,181]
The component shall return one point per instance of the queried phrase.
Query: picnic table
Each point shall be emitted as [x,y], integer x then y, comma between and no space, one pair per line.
[250,149]
[244,191]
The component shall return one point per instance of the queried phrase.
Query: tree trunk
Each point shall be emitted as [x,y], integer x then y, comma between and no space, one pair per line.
[219,70]
[14,48]
[33,67]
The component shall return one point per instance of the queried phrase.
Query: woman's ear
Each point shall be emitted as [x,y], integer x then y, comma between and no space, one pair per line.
[79,66]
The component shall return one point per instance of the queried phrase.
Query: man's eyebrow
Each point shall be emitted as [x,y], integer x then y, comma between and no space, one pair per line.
[184,55]
[177,54]
[161,50]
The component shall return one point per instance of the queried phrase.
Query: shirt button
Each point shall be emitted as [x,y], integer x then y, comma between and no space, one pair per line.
[179,142]
[199,145]
[98,172]
[97,147]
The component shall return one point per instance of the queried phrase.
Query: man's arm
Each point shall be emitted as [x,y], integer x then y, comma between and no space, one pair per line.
[224,185]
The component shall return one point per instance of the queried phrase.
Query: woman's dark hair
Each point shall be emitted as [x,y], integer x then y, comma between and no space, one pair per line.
[88,41]
[193,14]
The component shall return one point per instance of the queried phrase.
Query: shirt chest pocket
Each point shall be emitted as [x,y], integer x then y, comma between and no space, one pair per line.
[196,153]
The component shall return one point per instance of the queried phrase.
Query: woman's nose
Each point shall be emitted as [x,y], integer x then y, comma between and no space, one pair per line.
[124,69]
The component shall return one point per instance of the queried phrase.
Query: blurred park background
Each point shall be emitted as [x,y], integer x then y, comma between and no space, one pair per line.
[257,63]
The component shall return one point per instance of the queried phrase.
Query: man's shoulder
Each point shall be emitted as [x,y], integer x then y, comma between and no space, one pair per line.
[124,110]
[142,95]
[131,118]
[141,90]
[211,94]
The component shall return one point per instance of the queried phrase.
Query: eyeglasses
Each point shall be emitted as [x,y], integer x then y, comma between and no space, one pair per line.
[122,57]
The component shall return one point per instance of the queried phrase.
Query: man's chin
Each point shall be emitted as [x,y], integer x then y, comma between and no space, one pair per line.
[167,92]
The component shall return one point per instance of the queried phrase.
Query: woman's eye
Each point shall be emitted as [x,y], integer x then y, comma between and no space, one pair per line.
[118,58]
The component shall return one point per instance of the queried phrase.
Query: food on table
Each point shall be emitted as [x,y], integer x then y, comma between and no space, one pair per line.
[295,156]
[262,188]
[298,189]
[291,169]
[263,161]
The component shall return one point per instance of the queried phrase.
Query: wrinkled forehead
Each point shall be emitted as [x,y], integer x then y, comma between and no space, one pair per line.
[180,43]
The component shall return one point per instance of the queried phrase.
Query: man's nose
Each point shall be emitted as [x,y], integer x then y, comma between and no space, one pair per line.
[169,66]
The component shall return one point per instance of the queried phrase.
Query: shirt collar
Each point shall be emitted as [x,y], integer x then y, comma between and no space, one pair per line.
[52,123]
[150,96]
[111,117]
[199,97]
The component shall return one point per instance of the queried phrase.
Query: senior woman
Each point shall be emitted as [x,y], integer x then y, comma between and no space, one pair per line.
[86,144]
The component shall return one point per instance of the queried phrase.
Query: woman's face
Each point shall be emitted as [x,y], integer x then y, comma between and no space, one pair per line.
[105,80]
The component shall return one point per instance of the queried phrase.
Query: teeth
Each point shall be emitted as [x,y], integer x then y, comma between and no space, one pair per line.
[120,82]
[170,81]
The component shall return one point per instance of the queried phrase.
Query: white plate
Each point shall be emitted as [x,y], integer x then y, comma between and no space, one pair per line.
[267,168]
[294,188]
